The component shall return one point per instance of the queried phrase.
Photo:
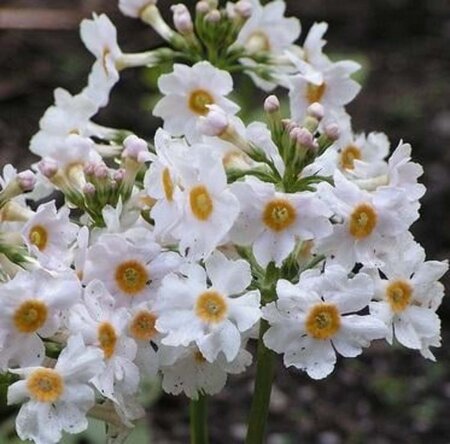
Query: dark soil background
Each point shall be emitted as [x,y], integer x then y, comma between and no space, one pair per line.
[389,395]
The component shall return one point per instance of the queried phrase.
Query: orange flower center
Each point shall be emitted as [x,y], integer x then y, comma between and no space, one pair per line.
[201,203]
[314,93]
[363,221]
[349,155]
[323,321]
[279,214]
[131,277]
[142,326]
[198,101]
[38,236]
[30,316]
[399,295]
[45,385]
[107,337]
[211,307]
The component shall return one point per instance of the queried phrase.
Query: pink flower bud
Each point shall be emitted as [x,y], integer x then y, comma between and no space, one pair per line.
[316,110]
[332,131]
[271,104]
[101,171]
[213,16]
[305,138]
[26,180]
[214,123]
[182,19]
[136,148]
[244,8]
[202,7]
[48,168]
[119,175]
[89,189]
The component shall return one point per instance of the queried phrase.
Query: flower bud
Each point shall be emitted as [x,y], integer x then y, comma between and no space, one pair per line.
[119,175]
[89,189]
[101,171]
[26,180]
[136,149]
[304,137]
[316,110]
[213,16]
[215,123]
[48,168]
[244,8]
[202,7]
[182,19]
[332,131]
[271,104]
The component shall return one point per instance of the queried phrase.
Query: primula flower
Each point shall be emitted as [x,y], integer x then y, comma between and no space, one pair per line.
[60,397]
[185,370]
[188,91]
[272,222]
[49,234]
[32,305]
[408,295]
[130,273]
[316,318]
[211,316]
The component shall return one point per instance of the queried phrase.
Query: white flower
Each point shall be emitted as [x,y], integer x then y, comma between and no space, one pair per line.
[366,222]
[49,234]
[268,30]
[59,398]
[316,318]
[188,91]
[69,115]
[212,317]
[105,327]
[32,305]
[330,86]
[162,182]
[408,295]
[209,207]
[272,222]
[185,370]
[130,273]
[313,45]
[134,8]
[100,37]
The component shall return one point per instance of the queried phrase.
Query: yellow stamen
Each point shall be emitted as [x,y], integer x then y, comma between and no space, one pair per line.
[363,221]
[30,316]
[131,277]
[279,214]
[201,203]
[198,101]
[399,295]
[142,326]
[349,155]
[167,184]
[314,93]
[38,236]
[211,307]
[45,385]
[323,321]
[107,338]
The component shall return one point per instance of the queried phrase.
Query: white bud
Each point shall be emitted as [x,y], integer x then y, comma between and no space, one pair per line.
[202,7]
[213,16]
[244,8]
[89,189]
[48,168]
[215,123]
[26,180]
[136,149]
[305,138]
[271,104]
[182,19]
[332,131]
[316,110]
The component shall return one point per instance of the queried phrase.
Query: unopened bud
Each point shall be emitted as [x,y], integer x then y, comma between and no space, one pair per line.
[202,7]
[26,180]
[213,16]
[244,8]
[332,131]
[182,19]
[89,168]
[215,123]
[305,138]
[316,110]
[119,175]
[89,189]
[101,171]
[289,125]
[136,149]
[271,104]
[48,168]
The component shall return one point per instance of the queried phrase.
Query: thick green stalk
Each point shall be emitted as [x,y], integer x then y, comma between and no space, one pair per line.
[198,419]
[265,369]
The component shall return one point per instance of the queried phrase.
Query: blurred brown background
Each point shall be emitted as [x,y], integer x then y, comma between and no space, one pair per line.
[387,396]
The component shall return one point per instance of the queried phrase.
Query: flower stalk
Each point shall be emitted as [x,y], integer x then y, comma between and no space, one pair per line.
[198,420]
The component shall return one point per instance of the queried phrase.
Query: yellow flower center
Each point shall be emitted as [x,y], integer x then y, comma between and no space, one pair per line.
[399,295]
[279,214]
[258,41]
[363,221]
[106,53]
[142,326]
[211,307]
[349,155]
[201,202]
[30,316]
[38,236]
[314,93]
[198,101]
[45,385]
[323,321]
[167,184]
[199,358]
[131,277]
[106,335]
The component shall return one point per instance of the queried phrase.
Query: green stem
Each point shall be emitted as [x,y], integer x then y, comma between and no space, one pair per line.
[265,370]
[198,418]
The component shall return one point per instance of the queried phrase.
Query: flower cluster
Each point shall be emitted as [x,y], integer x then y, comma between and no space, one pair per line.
[167,256]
